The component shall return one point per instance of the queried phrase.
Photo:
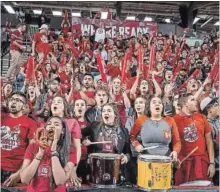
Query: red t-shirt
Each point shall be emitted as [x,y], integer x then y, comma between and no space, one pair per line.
[83,147]
[75,133]
[41,42]
[65,30]
[41,180]
[192,132]
[16,36]
[15,133]
[90,94]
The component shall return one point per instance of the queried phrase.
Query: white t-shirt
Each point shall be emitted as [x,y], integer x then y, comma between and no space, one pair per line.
[99,34]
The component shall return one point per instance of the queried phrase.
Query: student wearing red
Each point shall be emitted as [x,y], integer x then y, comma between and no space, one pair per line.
[59,108]
[86,91]
[80,107]
[16,133]
[48,163]
[194,131]
[40,42]
[16,49]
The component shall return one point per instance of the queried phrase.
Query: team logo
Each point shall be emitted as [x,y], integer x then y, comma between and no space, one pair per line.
[167,134]
[10,139]
[190,133]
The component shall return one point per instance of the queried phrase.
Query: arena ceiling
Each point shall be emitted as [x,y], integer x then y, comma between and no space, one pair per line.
[158,10]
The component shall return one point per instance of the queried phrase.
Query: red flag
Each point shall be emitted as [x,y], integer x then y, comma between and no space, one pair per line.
[215,69]
[30,69]
[63,60]
[127,57]
[152,59]
[175,72]
[100,67]
[140,57]
[216,78]
[187,62]
[145,70]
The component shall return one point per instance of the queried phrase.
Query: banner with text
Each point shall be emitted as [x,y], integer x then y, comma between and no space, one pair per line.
[126,28]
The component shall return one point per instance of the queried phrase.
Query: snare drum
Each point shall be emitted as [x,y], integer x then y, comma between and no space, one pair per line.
[104,169]
[154,172]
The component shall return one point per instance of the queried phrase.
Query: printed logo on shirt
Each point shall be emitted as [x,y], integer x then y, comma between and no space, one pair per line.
[167,134]
[190,133]
[44,170]
[10,139]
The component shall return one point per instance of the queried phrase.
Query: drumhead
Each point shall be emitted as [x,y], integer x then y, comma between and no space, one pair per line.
[198,183]
[105,155]
[154,158]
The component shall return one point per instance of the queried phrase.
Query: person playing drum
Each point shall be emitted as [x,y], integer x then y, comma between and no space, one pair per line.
[109,129]
[156,130]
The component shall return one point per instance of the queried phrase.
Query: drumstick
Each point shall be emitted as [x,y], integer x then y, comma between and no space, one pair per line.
[152,147]
[93,143]
[189,155]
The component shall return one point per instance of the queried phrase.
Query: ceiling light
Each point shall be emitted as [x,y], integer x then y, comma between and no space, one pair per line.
[14,3]
[196,20]
[206,22]
[148,19]
[131,18]
[217,23]
[76,14]
[167,20]
[57,13]
[9,9]
[104,15]
[37,12]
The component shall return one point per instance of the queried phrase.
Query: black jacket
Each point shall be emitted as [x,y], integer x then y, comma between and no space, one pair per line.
[90,114]
[94,129]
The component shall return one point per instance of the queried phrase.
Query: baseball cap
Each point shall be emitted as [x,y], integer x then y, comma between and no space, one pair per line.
[44,26]
[207,102]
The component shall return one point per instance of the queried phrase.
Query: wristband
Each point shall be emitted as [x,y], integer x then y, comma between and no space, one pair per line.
[54,153]
[37,159]
[212,163]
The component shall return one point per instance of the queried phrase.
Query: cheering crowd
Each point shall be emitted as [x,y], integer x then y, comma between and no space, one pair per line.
[136,92]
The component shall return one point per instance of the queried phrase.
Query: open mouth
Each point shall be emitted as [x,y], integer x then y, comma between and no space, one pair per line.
[138,108]
[51,132]
[157,109]
[13,106]
[193,85]
[32,92]
[106,118]
[55,108]
[101,101]
[169,77]
[80,110]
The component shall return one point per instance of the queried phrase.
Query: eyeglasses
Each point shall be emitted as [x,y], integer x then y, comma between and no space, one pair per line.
[17,100]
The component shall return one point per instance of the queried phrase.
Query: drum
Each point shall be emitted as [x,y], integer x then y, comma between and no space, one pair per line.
[104,169]
[154,172]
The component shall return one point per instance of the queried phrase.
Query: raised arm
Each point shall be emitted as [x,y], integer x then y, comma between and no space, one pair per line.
[200,90]
[29,168]
[135,85]
[158,90]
